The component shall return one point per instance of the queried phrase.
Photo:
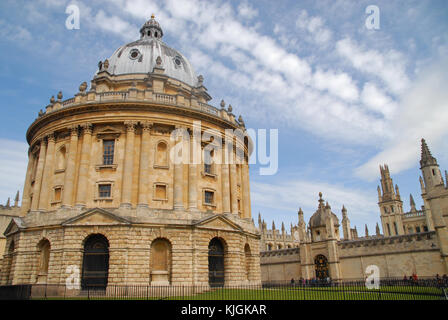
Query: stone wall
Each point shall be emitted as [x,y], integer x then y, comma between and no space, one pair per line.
[395,256]
[280,265]
[129,254]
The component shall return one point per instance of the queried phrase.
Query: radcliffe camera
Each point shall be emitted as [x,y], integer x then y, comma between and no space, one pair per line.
[239,153]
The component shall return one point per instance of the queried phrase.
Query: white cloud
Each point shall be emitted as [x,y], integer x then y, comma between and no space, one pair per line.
[116,25]
[376,100]
[423,114]
[315,27]
[291,194]
[13,162]
[388,66]
[246,11]
[340,85]
[15,33]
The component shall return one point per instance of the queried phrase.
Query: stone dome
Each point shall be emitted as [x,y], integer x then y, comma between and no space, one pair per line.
[140,57]
[321,214]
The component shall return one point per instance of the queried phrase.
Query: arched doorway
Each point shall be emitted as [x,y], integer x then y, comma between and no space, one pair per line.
[216,263]
[321,264]
[95,266]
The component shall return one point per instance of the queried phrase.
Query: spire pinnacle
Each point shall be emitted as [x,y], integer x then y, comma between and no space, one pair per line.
[426,158]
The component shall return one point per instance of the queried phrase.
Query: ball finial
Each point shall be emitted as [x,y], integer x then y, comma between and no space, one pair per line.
[152,16]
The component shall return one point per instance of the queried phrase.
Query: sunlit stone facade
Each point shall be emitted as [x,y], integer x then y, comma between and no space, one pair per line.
[102,175]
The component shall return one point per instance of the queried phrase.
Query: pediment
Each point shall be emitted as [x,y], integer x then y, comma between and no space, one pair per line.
[108,132]
[96,217]
[15,225]
[218,222]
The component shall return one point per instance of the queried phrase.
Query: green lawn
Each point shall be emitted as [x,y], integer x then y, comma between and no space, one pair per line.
[308,293]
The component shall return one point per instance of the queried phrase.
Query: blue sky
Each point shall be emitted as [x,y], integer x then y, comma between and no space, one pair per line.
[344,98]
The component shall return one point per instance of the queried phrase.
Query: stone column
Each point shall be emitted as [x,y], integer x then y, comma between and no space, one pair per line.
[47,174]
[83,174]
[27,188]
[246,190]
[193,174]
[178,174]
[39,173]
[69,178]
[143,179]
[225,181]
[233,188]
[126,190]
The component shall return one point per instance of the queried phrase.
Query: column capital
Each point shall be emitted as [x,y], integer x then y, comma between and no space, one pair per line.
[87,128]
[130,125]
[50,137]
[73,130]
[146,125]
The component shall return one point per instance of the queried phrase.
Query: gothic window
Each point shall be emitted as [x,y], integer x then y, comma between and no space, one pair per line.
[108,151]
[161,158]
[321,267]
[417,229]
[269,247]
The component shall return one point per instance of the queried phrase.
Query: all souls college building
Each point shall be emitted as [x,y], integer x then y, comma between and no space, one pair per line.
[104,193]
[413,242]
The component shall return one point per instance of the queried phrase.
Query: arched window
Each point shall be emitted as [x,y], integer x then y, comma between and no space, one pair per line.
[247,258]
[216,265]
[95,266]
[61,158]
[160,262]
[9,260]
[44,260]
[388,229]
[44,256]
[395,228]
[161,158]
[321,266]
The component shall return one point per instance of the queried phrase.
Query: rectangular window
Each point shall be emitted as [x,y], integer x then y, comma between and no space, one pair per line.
[417,229]
[209,197]
[425,228]
[208,168]
[161,191]
[104,190]
[57,194]
[108,151]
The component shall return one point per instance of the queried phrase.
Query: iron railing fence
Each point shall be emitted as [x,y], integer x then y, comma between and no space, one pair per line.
[389,289]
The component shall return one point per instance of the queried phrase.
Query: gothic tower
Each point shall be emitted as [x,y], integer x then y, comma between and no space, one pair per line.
[391,206]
